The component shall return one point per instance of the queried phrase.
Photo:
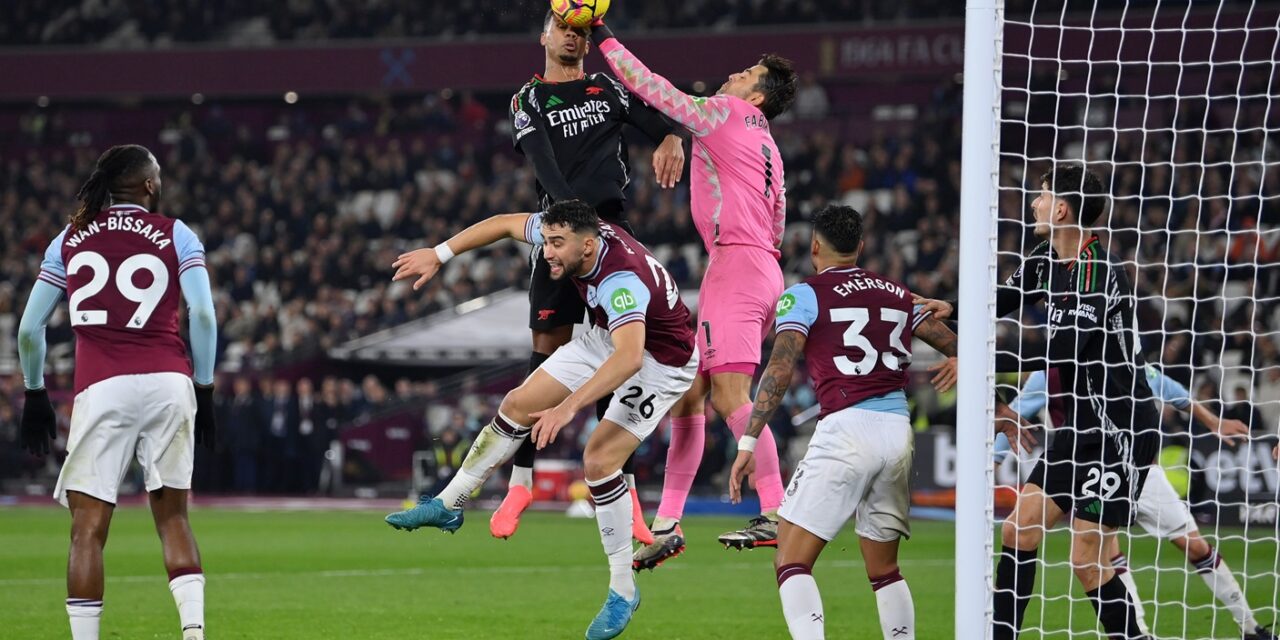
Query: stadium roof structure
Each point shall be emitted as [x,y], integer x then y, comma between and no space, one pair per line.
[484,330]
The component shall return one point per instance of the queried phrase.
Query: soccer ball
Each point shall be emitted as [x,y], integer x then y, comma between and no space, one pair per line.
[579,13]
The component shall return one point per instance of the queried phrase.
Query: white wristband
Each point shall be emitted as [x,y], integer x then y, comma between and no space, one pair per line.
[747,443]
[443,252]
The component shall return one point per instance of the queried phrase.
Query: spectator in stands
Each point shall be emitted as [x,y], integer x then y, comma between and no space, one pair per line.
[242,435]
[280,444]
[311,437]
[811,99]
[1241,408]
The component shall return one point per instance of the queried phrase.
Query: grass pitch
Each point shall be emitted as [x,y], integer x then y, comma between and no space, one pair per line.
[322,574]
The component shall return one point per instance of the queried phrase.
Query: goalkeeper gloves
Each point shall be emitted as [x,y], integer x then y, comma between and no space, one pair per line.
[39,424]
[206,426]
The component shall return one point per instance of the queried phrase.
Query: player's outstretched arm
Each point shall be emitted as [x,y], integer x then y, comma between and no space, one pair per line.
[700,116]
[39,423]
[625,362]
[423,264]
[938,335]
[788,346]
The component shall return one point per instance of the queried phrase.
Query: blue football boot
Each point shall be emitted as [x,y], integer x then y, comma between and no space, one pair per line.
[613,617]
[429,512]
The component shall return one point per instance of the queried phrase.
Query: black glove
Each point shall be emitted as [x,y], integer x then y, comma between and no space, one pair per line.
[39,424]
[206,426]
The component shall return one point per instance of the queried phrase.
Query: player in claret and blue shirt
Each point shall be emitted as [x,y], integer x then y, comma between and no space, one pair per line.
[639,349]
[854,328]
[122,266]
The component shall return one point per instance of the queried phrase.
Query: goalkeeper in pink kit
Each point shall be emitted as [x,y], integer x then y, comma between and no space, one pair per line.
[739,206]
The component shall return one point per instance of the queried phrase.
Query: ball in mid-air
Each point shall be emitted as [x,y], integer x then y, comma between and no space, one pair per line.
[579,13]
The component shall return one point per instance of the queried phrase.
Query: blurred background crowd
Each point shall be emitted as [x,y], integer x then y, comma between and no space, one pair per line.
[303,207]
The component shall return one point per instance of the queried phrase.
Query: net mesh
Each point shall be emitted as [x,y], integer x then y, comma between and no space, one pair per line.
[1174,105]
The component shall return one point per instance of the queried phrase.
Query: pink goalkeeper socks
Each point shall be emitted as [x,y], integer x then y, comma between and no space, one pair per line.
[768,469]
[688,436]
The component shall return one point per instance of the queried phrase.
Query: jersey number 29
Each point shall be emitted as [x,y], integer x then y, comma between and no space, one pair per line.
[147,298]
[895,358]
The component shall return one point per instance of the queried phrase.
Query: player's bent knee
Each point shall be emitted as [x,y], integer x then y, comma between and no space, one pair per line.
[1025,535]
[515,407]
[727,400]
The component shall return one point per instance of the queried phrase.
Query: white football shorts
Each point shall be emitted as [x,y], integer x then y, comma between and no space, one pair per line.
[858,465]
[1160,511]
[641,402]
[149,417]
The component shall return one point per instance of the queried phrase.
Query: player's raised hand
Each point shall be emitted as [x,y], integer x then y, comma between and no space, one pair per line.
[422,264]
[743,467]
[1017,430]
[945,377]
[206,425]
[550,422]
[941,309]
[668,161]
[39,423]
[1231,431]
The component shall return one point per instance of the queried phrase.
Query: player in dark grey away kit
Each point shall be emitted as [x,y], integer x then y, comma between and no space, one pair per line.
[569,125]
[1095,469]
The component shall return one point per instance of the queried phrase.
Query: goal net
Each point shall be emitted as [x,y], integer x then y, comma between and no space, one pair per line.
[1175,106]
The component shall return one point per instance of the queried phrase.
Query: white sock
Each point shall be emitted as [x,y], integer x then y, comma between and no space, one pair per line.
[494,445]
[1217,575]
[85,616]
[1121,565]
[613,516]
[631,480]
[897,612]
[188,594]
[801,602]
[522,476]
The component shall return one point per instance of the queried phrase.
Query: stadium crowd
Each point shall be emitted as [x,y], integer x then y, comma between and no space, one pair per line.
[133,23]
[301,219]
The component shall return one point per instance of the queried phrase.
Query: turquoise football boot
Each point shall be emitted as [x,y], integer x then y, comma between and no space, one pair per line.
[429,512]
[613,617]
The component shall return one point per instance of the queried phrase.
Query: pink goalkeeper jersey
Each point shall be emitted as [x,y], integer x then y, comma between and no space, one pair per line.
[738,195]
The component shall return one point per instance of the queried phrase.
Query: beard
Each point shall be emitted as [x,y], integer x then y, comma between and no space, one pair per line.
[567,268]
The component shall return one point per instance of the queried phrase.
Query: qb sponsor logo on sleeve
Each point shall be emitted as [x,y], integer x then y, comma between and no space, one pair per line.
[785,303]
[623,300]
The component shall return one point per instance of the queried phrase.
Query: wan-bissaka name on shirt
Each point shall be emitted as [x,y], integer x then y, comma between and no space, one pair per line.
[121,223]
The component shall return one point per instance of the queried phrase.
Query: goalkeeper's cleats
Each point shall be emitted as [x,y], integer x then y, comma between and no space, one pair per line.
[639,530]
[506,519]
[429,512]
[614,616]
[761,532]
[667,544]
[1261,633]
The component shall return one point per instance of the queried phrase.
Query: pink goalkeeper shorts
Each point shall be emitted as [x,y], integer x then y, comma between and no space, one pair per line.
[735,308]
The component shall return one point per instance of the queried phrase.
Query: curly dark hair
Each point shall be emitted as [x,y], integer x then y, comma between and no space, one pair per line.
[840,226]
[575,214]
[119,165]
[1080,188]
[778,85]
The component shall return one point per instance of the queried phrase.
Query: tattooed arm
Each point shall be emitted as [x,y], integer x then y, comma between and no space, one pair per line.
[938,335]
[787,349]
